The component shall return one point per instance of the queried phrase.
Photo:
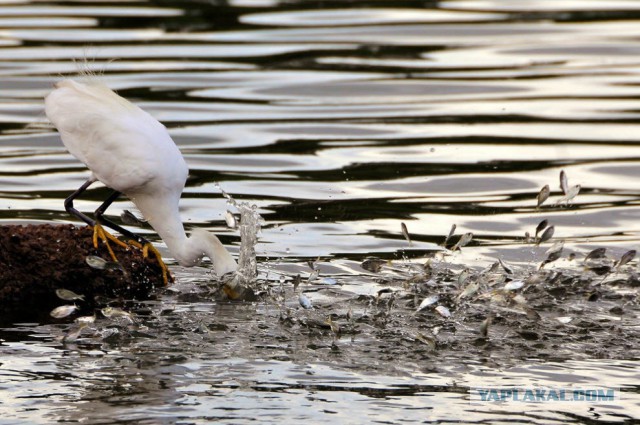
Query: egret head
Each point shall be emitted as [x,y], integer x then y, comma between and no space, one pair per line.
[205,243]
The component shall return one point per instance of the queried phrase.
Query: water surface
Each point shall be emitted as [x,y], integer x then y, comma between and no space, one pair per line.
[340,121]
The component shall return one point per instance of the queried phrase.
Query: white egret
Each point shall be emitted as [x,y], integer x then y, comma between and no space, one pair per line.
[132,153]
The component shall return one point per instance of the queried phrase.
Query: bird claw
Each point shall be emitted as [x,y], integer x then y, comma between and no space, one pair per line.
[100,233]
[165,270]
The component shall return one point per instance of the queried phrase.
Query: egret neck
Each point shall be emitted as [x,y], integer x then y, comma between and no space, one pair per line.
[188,251]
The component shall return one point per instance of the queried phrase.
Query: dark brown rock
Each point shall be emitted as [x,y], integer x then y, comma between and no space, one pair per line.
[35,260]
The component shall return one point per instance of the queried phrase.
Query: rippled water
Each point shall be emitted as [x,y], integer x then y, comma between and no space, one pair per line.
[339,120]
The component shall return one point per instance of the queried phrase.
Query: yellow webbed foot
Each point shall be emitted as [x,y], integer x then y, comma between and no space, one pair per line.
[165,270]
[104,236]
[100,234]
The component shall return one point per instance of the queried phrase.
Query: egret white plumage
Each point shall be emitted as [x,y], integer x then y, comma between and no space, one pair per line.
[132,153]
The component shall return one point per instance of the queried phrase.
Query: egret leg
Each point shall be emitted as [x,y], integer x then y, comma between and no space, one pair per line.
[98,231]
[135,240]
[138,241]
[68,203]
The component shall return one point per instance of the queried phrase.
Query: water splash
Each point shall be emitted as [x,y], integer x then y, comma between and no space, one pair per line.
[240,285]
[250,224]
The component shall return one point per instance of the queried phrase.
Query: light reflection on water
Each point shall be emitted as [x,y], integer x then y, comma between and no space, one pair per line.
[339,124]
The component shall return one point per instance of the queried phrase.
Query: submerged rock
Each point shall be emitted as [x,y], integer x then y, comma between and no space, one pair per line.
[37,260]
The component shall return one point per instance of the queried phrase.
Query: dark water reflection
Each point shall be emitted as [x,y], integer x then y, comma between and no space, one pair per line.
[340,120]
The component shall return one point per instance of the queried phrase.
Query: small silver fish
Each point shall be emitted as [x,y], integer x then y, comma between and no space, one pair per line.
[464,240]
[102,264]
[596,254]
[304,301]
[296,282]
[453,229]
[443,311]
[329,281]
[373,265]
[564,182]
[73,334]
[462,277]
[67,295]
[514,285]
[405,233]
[335,328]
[63,311]
[85,320]
[547,234]
[505,266]
[427,340]
[128,218]
[494,279]
[626,257]
[484,326]
[438,256]
[492,268]
[571,193]
[471,289]
[520,300]
[497,297]
[313,264]
[540,227]
[556,247]
[553,256]
[427,302]
[543,195]
[313,275]
[564,319]
[383,291]
[116,312]
[536,278]
[232,223]
[96,262]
